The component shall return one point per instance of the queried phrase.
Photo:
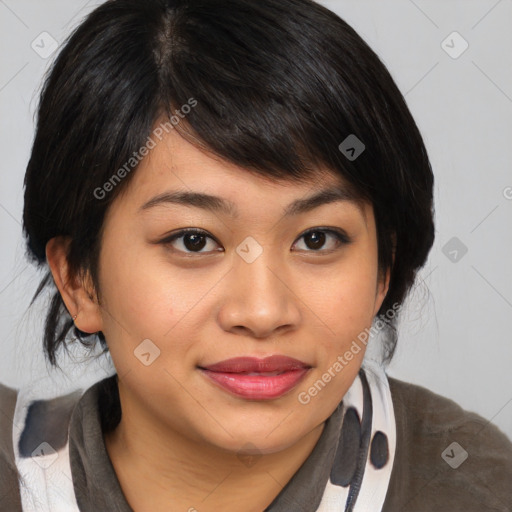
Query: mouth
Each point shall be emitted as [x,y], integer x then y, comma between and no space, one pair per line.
[257,379]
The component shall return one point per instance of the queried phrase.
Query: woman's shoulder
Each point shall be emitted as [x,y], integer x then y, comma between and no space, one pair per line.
[44,418]
[8,398]
[9,489]
[447,458]
[436,413]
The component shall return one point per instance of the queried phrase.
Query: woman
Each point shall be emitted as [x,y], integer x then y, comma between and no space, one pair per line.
[231,197]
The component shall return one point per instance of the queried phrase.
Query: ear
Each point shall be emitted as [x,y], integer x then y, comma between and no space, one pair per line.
[382,289]
[77,292]
[384,279]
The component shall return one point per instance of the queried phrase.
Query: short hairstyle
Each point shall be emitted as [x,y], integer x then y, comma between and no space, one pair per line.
[278,85]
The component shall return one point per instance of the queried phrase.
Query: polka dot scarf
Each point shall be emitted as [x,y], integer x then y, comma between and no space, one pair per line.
[364,457]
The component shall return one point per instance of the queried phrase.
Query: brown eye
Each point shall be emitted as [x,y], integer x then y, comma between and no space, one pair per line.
[194,242]
[316,239]
[190,241]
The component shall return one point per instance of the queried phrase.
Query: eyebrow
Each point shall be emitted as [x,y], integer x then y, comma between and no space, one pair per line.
[218,204]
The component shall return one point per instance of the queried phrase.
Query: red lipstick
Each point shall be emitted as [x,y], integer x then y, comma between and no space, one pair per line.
[257,379]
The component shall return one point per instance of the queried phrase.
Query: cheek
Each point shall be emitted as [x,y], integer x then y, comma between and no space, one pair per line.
[344,299]
[137,303]
[146,299]
[343,304]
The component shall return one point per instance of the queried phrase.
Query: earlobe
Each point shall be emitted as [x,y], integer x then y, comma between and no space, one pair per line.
[75,290]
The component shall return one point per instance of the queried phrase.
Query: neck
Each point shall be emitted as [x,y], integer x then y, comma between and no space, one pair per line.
[156,466]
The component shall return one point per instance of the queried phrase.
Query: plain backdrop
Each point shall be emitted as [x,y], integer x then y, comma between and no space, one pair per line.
[455,337]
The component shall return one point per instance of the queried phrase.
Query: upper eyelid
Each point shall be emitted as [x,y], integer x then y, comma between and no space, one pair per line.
[167,239]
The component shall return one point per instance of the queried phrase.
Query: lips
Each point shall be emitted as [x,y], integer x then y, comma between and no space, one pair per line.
[257,379]
[277,364]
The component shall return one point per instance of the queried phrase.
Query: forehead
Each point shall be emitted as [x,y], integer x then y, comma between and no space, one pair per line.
[176,171]
[176,158]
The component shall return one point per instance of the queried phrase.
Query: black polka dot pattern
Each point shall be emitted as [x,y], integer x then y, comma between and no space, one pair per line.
[345,462]
[379,451]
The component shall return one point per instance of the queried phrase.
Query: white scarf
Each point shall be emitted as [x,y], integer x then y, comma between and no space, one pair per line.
[374,483]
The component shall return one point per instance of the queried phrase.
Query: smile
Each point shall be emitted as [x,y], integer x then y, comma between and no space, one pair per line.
[257,379]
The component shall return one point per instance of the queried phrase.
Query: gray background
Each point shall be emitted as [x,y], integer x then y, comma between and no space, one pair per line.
[454,335]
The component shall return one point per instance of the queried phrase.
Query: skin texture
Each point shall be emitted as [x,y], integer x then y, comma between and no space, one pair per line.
[183,440]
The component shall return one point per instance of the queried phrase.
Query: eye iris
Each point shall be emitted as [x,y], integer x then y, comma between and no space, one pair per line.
[194,242]
[317,238]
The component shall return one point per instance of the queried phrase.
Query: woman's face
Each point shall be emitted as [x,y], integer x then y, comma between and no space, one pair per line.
[253,283]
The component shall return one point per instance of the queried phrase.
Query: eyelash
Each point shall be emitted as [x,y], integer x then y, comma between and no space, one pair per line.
[340,236]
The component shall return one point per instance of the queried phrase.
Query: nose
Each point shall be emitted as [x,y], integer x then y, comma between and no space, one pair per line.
[258,300]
